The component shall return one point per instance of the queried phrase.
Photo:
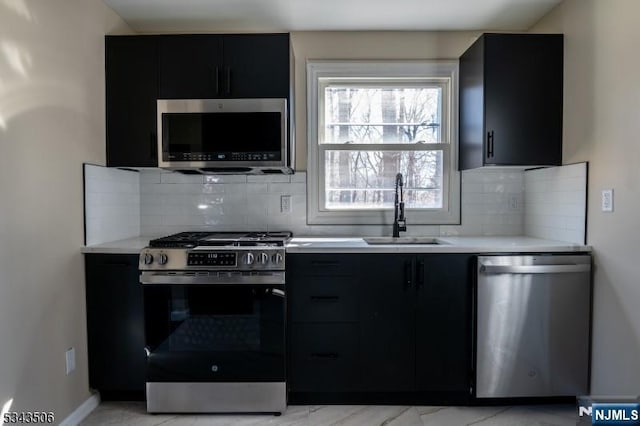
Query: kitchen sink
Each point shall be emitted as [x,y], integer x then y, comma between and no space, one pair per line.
[403,240]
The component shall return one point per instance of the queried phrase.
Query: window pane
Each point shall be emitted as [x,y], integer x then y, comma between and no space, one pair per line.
[382,114]
[366,179]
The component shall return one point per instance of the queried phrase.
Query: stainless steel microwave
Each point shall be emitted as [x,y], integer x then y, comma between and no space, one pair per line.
[224,135]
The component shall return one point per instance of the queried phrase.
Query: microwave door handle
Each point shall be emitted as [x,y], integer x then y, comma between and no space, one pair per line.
[217,80]
[228,80]
[153,155]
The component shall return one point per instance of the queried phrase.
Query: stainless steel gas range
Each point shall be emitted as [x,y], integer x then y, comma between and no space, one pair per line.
[214,306]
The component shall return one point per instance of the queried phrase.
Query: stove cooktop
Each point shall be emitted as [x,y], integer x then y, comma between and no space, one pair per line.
[198,239]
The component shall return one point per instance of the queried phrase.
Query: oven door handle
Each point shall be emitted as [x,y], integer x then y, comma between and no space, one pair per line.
[254,278]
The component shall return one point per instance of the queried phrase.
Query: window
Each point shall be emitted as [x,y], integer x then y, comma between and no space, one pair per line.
[368,122]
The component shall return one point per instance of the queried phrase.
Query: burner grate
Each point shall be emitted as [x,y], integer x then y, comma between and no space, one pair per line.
[203,238]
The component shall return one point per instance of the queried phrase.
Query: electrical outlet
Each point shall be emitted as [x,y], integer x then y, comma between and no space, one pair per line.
[514,202]
[70,359]
[285,204]
[607,200]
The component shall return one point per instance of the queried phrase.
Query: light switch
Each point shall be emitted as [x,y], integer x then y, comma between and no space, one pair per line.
[607,200]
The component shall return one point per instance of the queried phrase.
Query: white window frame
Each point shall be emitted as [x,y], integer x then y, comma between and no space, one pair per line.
[383,71]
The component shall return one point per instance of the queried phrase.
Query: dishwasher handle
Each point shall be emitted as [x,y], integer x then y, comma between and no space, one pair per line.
[534,269]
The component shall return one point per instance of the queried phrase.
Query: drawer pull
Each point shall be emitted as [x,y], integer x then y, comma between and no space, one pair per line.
[324,298]
[325,355]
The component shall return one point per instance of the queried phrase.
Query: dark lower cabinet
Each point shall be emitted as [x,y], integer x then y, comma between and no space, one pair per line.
[325,357]
[443,323]
[115,326]
[379,328]
[387,322]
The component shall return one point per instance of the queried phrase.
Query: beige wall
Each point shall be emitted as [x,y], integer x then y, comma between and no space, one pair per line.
[364,45]
[51,120]
[602,125]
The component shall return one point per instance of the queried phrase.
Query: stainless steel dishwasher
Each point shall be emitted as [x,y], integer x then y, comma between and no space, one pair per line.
[533,326]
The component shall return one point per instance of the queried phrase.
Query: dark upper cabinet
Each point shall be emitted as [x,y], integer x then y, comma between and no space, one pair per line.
[190,66]
[257,65]
[142,69]
[511,101]
[115,326]
[224,66]
[131,93]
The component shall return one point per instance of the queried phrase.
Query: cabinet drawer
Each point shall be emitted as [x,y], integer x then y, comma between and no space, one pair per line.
[325,299]
[322,264]
[324,357]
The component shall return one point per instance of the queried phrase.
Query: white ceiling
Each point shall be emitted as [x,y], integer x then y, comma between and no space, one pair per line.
[329,15]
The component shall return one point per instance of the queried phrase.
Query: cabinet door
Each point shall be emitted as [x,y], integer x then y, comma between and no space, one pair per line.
[131,92]
[324,357]
[387,322]
[115,323]
[523,99]
[256,66]
[190,66]
[443,322]
[471,111]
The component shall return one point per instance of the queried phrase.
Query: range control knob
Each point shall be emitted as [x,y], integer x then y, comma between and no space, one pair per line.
[248,258]
[148,259]
[277,259]
[163,259]
[263,258]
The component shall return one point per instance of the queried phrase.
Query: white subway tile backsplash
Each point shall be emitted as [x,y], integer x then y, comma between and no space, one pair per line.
[225,179]
[288,188]
[257,188]
[268,178]
[236,202]
[299,177]
[149,176]
[112,204]
[180,178]
[555,203]
[235,189]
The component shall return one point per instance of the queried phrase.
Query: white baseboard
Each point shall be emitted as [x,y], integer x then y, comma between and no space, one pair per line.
[80,413]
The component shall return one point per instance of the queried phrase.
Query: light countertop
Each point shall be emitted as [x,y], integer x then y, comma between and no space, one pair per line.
[447,245]
[127,246]
[358,245]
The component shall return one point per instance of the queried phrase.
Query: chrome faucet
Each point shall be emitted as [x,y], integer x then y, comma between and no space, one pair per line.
[399,221]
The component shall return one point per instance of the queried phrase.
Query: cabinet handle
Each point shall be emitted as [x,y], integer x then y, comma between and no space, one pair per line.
[490,144]
[324,298]
[420,274]
[228,80]
[408,274]
[217,80]
[325,355]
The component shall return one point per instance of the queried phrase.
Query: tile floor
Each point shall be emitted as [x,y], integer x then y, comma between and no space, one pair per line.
[133,413]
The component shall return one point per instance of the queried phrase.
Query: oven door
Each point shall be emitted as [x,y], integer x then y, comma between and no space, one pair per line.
[215,333]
